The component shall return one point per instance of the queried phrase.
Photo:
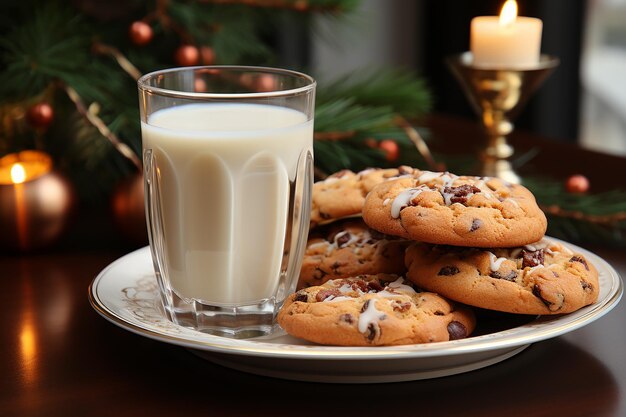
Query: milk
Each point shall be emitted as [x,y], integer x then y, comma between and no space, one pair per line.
[224,178]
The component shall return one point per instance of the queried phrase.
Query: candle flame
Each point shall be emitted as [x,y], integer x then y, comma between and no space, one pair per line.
[18,173]
[508,13]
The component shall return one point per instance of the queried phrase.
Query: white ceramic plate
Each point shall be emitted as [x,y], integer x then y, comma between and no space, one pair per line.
[126,293]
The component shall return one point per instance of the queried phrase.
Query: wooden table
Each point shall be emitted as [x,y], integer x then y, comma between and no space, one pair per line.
[58,357]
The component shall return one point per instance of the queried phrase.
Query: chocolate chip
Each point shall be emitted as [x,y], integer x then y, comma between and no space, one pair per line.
[319,273]
[346,318]
[459,194]
[401,306]
[324,216]
[439,313]
[374,286]
[508,277]
[343,239]
[476,223]
[335,267]
[537,293]
[586,286]
[301,296]
[581,260]
[359,285]
[532,258]
[365,305]
[373,330]
[448,270]
[456,330]
[326,293]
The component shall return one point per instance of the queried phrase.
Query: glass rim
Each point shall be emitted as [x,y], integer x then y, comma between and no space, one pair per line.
[142,83]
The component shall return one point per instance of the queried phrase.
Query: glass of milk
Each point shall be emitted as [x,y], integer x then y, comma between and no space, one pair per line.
[228,171]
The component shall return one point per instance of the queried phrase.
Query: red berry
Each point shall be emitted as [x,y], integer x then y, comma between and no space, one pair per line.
[40,115]
[187,55]
[390,148]
[140,33]
[577,184]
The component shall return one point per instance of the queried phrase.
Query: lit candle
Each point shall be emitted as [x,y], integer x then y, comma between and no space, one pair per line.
[507,41]
[35,201]
[18,176]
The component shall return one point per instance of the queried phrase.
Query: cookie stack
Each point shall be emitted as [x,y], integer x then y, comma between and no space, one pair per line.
[464,241]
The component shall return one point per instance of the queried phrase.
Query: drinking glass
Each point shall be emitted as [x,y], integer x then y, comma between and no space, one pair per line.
[228,172]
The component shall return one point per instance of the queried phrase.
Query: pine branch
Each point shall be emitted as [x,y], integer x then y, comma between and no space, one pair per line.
[37,51]
[343,114]
[402,91]
[597,218]
[104,130]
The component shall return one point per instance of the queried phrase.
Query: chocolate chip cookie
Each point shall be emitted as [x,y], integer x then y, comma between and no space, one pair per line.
[373,310]
[342,193]
[348,248]
[543,278]
[442,208]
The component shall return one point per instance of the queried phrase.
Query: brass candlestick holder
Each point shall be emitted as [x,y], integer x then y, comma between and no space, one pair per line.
[498,95]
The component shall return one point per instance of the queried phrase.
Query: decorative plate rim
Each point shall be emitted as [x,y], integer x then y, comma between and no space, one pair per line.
[542,328]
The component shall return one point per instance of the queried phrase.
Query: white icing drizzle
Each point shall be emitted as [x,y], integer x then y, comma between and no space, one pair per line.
[528,271]
[345,289]
[333,299]
[386,201]
[369,316]
[402,200]
[353,238]
[495,263]
[448,197]
[399,285]
[542,244]
[448,179]
[426,176]
[330,180]
[487,194]
[515,252]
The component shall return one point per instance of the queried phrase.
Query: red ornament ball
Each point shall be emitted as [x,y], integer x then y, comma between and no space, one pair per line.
[390,148]
[40,115]
[127,205]
[207,55]
[577,184]
[187,55]
[140,33]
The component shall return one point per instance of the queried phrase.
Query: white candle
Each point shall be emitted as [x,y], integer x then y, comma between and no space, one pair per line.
[507,41]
